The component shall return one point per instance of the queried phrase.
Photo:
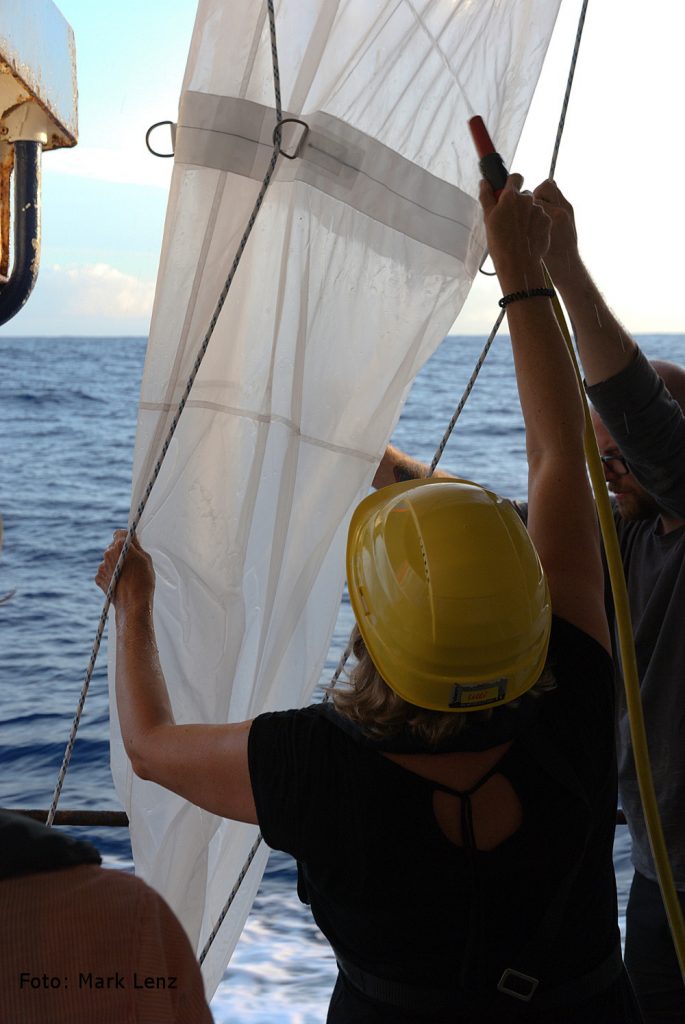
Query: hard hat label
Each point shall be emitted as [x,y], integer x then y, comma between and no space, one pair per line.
[478,695]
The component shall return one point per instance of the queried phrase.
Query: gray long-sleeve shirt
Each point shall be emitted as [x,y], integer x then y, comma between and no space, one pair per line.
[649,428]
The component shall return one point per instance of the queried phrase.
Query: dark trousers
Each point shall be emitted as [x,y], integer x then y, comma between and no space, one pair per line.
[650,955]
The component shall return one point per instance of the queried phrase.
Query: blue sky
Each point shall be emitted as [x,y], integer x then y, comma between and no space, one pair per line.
[104,201]
[621,164]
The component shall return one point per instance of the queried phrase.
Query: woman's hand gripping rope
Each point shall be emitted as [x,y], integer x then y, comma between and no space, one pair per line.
[136,584]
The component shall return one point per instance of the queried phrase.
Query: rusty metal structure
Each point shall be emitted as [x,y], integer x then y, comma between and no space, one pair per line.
[38,111]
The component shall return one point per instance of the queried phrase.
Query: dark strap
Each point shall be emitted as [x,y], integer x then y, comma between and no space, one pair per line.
[468,834]
[413,998]
[470,974]
[466,793]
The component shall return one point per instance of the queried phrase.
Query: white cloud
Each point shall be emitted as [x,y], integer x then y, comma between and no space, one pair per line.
[118,166]
[89,300]
[103,291]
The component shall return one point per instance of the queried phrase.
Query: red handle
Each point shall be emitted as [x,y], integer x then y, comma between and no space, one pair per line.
[490,162]
[481,139]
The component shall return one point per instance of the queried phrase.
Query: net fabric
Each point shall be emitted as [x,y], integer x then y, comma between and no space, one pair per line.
[332,313]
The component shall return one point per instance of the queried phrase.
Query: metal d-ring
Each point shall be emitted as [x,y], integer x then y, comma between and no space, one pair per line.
[305,133]
[486,273]
[149,132]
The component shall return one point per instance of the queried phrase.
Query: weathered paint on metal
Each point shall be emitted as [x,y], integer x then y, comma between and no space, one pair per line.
[6,165]
[38,64]
[25,228]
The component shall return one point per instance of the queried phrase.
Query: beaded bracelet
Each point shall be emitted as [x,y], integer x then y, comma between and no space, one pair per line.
[532,293]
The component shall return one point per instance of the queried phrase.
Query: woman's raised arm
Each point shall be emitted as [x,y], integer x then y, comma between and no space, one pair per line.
[561,512]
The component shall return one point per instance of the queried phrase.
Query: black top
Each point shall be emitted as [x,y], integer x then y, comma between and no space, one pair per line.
[394,895]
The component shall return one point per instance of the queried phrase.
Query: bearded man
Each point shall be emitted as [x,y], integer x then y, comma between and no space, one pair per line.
[640,428]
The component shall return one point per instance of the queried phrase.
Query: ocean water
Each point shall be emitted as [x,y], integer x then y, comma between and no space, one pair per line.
[66,438]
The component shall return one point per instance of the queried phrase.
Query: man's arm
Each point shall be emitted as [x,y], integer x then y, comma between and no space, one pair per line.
[396,466]
[646,423]
[638,407]
[604,345]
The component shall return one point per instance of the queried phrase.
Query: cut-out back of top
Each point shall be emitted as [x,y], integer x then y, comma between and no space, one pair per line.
[480,814]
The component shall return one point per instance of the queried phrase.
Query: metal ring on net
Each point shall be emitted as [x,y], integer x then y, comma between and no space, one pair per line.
[148,133]
[298,148]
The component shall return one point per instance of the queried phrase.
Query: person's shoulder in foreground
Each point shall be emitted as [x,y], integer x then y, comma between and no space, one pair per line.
[85,943]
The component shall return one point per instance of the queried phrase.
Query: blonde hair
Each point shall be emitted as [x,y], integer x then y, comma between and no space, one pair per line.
[381,713]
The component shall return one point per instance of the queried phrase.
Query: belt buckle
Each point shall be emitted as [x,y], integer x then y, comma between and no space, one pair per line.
[523,986]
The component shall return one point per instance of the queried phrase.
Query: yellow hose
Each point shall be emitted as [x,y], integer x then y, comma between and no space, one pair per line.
[629,665]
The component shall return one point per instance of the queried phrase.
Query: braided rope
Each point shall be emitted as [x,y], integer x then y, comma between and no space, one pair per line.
[339,670]
[496,326]
[567,94]
[229,902]
[562,118]
[467,391]
[172,428]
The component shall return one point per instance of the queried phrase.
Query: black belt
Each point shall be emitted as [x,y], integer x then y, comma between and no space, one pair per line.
[513,984]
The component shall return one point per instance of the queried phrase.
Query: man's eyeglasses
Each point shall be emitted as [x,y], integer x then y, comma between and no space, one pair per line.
[616,464]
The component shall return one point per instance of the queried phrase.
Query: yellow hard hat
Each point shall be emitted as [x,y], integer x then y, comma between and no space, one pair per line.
[448,593]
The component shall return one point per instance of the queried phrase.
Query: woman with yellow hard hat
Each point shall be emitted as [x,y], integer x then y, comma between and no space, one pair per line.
[452,809]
